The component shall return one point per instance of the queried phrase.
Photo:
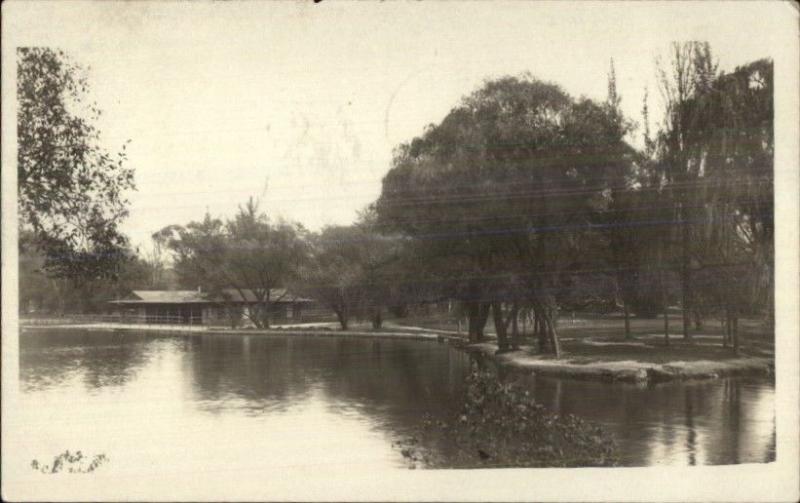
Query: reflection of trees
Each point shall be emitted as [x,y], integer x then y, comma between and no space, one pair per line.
[48,358]
[691,433]
[264,371]
[391,380]
[394,383]
[409,375]
[700,422]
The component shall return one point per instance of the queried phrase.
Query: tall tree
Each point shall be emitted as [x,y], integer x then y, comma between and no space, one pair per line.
[716,153]
[71,191]
[501,193]
[691,72]
[246,258]
[351,271]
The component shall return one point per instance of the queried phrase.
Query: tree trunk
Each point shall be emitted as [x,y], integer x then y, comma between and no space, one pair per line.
[735,333]
[726,325]
[472,321]
[268,307]
[259,316]
[515,336]
[698,319]
[478,314]
[500,327]
[483,317]
[553,335]
[686,286]
[343,321]
[665,305]
[377,318]
[341,315]
[627,313]
[541,329]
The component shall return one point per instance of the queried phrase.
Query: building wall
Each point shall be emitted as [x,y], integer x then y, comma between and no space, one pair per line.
[217,315]
[174,314]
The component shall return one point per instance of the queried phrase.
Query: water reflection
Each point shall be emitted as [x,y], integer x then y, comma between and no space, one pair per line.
[395,381]
[332,400]
[100,359]
[681,423]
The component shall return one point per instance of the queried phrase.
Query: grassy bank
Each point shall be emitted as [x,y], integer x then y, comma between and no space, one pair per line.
[646,359]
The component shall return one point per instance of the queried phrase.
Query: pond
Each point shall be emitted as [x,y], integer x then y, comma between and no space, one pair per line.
[254,403]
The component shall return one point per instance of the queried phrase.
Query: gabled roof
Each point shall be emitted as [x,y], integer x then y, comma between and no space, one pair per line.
[195,297]
[275,295]
[167,296]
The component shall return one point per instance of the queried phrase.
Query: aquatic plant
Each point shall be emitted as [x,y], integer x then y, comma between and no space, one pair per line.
[500,425]
[70,462]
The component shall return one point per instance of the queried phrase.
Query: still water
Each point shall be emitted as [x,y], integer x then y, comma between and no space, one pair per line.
[192,404]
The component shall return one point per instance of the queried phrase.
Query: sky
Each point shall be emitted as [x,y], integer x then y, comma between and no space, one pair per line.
[300,105]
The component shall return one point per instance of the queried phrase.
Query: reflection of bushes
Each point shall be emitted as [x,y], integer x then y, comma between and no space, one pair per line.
[500,425]
[70,462]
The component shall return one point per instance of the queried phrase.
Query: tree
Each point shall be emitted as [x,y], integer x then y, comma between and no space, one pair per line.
[334,275]
[71,192]
[621,215]
[157,258]
[350,270]
[246,258]
[42,293]
[691,72]
[502,194]
[716,153]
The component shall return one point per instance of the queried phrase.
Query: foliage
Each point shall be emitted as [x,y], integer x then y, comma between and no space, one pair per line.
[501,425]
[715,155]
[247,257]
[40,292]
[501,194]
[71,191]
[349,272]
[70,462]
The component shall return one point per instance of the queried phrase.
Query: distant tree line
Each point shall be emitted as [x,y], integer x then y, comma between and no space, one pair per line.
[525,201]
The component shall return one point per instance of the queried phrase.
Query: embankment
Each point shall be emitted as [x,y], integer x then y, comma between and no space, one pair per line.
[630,370]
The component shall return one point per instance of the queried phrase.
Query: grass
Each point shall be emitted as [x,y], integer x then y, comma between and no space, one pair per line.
[596,348]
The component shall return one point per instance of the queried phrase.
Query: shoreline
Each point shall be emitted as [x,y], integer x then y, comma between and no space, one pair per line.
[427,335]
[626,371]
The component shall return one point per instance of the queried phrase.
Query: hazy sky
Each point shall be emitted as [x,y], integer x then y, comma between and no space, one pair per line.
[301,104]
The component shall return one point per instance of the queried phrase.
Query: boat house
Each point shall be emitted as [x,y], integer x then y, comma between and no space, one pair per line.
[194,307]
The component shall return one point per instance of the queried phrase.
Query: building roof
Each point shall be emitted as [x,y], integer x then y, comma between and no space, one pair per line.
[164,297]
[197,297]
[275,295]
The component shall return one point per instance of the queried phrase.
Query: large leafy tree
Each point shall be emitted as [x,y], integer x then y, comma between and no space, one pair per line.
[248,257]
[71,191]
[504,192]
[353,270]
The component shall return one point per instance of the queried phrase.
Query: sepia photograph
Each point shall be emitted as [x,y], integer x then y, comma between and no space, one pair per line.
[400,251]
